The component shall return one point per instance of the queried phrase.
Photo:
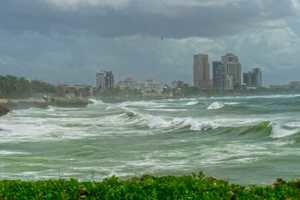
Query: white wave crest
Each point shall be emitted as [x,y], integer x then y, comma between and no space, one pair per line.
[51,109]
[292,125]
[139,104]
[232,103]
[96,101]
[280,131]
[162,122]
[166,110]
[8,153]
[194,124]
[191,103]
[215,106]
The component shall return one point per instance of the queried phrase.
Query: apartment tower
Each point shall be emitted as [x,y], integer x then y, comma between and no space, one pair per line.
[201,72]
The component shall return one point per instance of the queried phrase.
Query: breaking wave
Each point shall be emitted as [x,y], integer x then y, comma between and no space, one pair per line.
[221,125]
[285,130]
[170,123]
[215,106]
[157,136]
[96,101]
[192,103]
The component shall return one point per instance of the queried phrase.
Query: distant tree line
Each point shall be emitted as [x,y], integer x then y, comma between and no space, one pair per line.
[15,87]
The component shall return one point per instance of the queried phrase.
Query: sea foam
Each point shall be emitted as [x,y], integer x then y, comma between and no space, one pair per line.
[215,106]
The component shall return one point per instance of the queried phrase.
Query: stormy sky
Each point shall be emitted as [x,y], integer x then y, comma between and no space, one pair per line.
[68,41]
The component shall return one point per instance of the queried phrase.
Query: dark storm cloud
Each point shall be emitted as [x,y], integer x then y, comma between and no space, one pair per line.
[70,40]
[140,18]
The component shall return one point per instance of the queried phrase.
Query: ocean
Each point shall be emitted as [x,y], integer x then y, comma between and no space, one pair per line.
[245,140]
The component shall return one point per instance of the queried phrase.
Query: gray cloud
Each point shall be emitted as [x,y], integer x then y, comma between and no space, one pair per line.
[136,17]
[70,40]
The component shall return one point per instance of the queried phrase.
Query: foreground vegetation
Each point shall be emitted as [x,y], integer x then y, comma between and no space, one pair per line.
[15,87]
[147,187]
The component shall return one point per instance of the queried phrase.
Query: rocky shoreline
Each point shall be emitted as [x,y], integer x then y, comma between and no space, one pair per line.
[6,105]
[3,110]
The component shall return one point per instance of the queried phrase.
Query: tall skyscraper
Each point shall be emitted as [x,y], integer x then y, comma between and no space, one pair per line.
[218,75]
[247,79]
[201,72]
[233,70]
[105,80]
[253,78]
[258,77]
[109,80]
[100,81]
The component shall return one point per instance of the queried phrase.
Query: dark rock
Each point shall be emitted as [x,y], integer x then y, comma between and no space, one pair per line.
[130,114]
[279,182]
[27,103]
[3,110]
[68,102]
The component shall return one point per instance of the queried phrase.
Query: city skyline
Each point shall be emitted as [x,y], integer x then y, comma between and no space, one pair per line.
[222,74]
[203,72]
[226,74]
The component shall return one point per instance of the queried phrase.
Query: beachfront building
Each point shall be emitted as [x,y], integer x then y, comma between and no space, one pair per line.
[233,70]
[81,91]
[218,75]
[178,84]
[129,84]
[258,77]
[151,88]
[294,85]
[201,72]
[100,80]
[104,80]
[253,78]
[145,88]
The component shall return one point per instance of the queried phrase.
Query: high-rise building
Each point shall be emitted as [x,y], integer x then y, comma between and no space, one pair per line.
[229,82]
[258,77]
[247,79]
[233,70]
[201,72]
[218,75]
[100,81]
[294,85]
[253,78]
[105,80]
[109,80]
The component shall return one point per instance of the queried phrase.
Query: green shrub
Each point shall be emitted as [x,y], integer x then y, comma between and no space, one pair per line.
[146,187]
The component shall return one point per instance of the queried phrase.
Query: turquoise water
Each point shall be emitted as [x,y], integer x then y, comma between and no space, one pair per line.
[242,139]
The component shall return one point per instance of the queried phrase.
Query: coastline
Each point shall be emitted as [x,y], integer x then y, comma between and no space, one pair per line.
[120,99]
[6,105]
